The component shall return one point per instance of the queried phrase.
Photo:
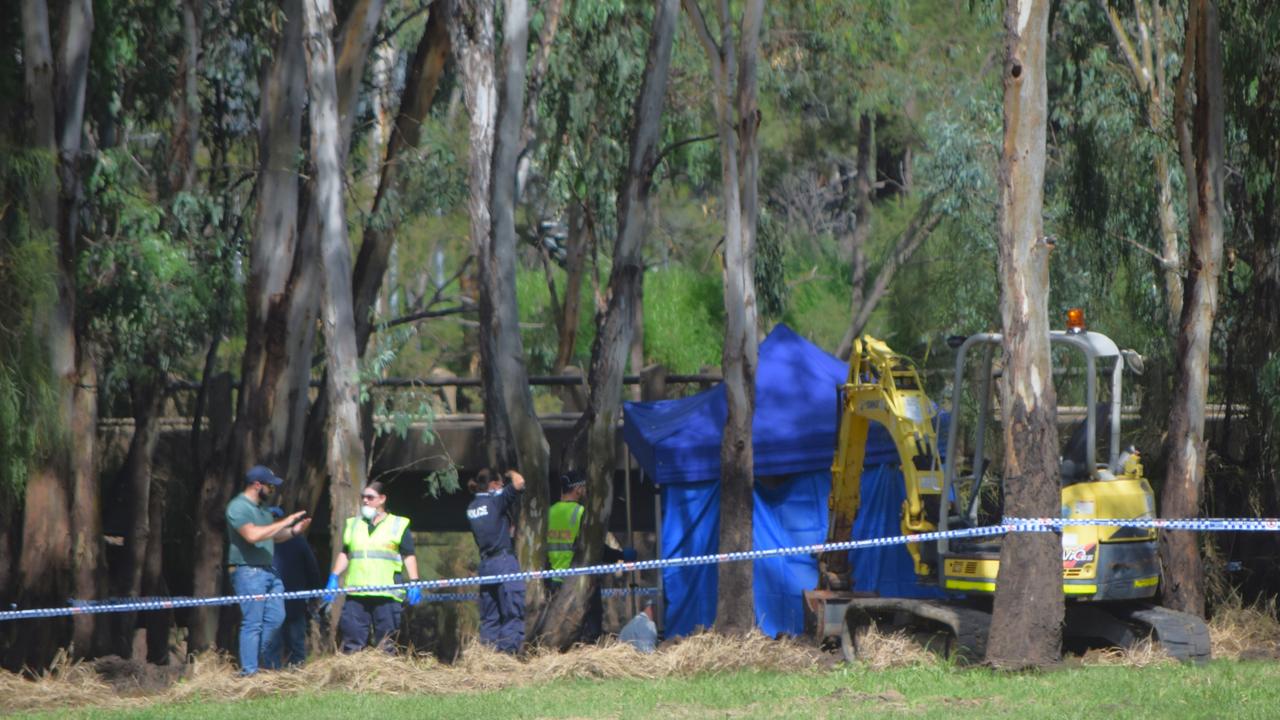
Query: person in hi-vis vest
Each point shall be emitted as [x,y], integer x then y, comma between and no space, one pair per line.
[377,549]
[564,532]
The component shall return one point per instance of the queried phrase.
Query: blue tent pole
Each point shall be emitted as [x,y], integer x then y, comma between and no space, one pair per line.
[661,614]
[631,537]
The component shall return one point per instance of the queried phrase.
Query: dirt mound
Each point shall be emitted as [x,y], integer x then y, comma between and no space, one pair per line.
[136,677]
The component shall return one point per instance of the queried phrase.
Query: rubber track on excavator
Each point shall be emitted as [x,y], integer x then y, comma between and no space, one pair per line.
[1184,636]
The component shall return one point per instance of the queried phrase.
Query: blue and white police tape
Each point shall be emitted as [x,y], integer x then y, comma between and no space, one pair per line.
[426,597]
[1010,524]
[1202,524]
[640,565]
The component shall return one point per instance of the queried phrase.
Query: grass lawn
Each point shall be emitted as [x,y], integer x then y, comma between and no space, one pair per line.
[1222,689]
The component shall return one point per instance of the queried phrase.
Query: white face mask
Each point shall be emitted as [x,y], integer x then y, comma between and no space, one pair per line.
[368,512]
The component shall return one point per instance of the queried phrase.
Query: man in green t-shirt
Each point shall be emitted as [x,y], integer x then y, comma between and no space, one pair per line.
[251,537]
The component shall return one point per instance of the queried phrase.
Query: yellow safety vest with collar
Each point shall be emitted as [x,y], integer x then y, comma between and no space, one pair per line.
[563,523]
[374,556]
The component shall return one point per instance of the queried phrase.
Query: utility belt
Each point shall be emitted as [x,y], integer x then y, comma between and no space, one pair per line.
[268,568]
[492,553]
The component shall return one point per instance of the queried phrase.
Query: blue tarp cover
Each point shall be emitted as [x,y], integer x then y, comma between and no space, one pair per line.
[677,442]
[794,426]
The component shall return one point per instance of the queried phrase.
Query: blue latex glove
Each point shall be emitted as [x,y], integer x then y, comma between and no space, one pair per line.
[276,511]
[628,554]
[331,585]
[414,595]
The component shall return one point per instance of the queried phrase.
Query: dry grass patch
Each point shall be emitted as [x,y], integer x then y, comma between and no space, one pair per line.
[1244,633]
[879,650]
[1144,653]
[213,677]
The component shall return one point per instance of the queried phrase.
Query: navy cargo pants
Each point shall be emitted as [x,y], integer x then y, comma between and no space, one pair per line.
[502,606]
[362,613]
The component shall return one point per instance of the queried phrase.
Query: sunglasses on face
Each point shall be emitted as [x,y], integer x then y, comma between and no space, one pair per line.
[369,497]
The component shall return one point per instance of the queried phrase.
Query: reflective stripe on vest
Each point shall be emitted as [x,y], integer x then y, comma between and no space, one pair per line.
[374,557]
[563,523]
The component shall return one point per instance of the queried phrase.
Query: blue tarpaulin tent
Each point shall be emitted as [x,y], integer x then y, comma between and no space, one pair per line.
[677,443]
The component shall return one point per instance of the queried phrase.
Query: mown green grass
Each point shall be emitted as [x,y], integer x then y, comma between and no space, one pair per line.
[1223,689]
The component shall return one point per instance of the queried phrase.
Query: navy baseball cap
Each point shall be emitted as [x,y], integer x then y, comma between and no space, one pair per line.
[571,480]
[261,474]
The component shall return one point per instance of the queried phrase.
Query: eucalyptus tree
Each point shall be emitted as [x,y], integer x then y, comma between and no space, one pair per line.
[596,432]
[61,545]
[1026,624]
[734,88]
[345,456]
[1199,122]
[284,288]
[494,95]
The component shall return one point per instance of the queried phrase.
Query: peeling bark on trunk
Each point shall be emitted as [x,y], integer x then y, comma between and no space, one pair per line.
[596,430]
[1183,492]
[1026,627]
[61,502]
[346,456]
[737,121]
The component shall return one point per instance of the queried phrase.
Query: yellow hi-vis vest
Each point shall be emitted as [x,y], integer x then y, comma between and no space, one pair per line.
[563,523]
[374,557]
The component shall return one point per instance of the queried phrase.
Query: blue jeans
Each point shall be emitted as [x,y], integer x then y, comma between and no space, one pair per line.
[260,620]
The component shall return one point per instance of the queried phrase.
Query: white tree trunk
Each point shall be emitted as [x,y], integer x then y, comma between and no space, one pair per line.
[1028,608]
[345,454]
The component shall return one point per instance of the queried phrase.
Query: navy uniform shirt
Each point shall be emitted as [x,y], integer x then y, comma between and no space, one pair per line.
[489,515]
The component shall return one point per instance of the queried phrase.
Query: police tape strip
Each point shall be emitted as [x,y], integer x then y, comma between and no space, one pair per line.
[1017,524]
[1009,525]
[426,597]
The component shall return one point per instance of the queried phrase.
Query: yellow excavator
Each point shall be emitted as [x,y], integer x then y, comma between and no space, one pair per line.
[1110,574]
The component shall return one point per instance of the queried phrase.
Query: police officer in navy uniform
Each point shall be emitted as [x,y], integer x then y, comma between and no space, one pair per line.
[501,604]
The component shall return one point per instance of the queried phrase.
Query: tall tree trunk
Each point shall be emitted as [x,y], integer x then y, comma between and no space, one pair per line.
[596,430]
[855,252]
[576,242]
[185,134]
[148,399]
[310,423]
[342,387]
[737,120]
[156,623]
[62,490]
[276,363]
[1026,627]
[511,424]
[1202,144]
[379,236]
